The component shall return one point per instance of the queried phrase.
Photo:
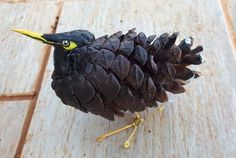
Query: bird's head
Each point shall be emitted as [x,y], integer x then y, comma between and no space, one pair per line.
[67,40]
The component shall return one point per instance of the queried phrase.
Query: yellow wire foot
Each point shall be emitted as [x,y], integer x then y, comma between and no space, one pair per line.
[126,144]
[136,122]
[161,110]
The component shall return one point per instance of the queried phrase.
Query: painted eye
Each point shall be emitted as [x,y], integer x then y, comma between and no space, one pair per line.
[65,43]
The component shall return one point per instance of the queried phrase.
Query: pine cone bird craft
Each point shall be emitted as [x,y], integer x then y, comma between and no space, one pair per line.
[113,74]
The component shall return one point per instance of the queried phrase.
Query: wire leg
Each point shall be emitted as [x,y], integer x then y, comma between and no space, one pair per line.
[102,137]
[127,143]
[137,122]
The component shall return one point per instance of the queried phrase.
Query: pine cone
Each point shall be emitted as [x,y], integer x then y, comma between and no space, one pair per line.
[126,72]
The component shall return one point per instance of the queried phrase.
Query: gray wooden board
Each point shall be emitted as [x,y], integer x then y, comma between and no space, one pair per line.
[21,57]
[12,114]
[232,12]
[198,123]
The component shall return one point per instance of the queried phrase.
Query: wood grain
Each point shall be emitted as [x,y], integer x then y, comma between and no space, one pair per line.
[21,57]
[26,1]
[199,123]
[229,7]
[232,8]
[12,114]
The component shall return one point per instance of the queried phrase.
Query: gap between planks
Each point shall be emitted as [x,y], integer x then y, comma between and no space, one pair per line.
[33,103]
[18,97]
[229,23]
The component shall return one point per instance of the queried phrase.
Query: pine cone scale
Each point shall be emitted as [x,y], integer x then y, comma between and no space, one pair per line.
[97,76]
[120,66]
[135,77]
[110,87]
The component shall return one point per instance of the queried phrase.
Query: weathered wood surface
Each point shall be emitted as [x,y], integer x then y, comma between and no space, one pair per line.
[12,114]
[199,123]
[232,8]
[229,7]
[37,1]
[21,58]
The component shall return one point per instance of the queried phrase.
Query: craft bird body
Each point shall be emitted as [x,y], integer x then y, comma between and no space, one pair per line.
[113,74]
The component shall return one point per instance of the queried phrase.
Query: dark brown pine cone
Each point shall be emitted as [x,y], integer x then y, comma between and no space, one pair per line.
[125,72]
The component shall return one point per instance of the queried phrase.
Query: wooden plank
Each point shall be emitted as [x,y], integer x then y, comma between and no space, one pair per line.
[12,114]
[21,58]
[25,1]
[199,123]
[229,7]
[232,8]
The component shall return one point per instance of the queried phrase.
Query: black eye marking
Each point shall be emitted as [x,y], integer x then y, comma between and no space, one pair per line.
[65,43]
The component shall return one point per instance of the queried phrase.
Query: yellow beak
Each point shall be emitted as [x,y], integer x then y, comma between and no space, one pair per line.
[52,39]
[31,34]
